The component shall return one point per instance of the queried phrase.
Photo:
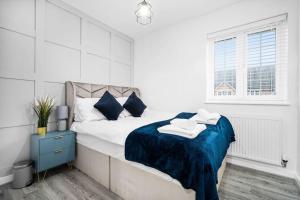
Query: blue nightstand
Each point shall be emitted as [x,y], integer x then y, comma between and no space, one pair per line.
[56,148]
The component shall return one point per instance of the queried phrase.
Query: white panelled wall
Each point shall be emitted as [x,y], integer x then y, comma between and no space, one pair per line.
[44,43]
[170,69]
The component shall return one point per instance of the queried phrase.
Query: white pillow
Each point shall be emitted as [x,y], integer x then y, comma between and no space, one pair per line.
[121,101]
[84,110]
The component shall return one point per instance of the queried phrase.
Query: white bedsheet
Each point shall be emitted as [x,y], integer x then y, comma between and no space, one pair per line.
[117,131]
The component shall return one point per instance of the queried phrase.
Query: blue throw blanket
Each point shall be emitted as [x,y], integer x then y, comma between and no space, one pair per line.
[193,162]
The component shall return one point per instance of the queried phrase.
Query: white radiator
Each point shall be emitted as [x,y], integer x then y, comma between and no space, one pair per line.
[258,139]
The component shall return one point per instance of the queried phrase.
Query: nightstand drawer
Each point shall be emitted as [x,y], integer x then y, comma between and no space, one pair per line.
[51,144]
[56,157]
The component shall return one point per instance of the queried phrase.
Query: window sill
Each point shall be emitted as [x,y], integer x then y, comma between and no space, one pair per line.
[233,102]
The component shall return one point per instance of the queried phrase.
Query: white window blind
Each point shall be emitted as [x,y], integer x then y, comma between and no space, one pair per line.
[261,63]
[249,62]
[225,66]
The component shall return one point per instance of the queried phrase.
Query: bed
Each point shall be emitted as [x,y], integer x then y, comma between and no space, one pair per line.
[100,150]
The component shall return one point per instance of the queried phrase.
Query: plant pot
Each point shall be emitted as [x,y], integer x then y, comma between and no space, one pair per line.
[42,131]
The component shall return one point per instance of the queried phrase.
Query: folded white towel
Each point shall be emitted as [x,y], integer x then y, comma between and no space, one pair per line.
[171,129]
[205,115]
[200,120]
[186,124]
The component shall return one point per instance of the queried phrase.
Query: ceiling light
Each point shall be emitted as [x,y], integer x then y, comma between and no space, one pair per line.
[144,13]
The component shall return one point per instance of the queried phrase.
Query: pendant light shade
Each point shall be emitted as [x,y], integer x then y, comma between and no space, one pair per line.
[144,13]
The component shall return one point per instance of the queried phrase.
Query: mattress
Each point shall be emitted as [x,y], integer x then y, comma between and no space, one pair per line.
[116,131]
[108,136]
[100,145]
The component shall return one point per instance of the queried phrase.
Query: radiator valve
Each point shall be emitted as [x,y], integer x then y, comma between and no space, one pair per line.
[284,162]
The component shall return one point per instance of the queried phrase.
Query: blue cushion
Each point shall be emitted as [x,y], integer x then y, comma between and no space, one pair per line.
[134,105]
[109,106]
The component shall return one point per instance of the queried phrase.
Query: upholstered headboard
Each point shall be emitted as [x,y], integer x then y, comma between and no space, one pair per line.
[87,90]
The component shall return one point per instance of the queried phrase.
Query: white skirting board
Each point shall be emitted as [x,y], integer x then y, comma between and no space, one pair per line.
[297,179]
[129,180]
[273,169]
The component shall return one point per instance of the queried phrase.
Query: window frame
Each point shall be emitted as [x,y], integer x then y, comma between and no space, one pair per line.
[241,69]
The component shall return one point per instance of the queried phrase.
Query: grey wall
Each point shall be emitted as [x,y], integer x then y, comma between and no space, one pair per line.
[43,44]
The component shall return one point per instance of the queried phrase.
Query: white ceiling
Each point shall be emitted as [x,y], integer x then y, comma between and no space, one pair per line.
[119,14]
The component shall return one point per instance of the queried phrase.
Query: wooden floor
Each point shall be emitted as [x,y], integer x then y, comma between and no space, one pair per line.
[248,184]
[237,183]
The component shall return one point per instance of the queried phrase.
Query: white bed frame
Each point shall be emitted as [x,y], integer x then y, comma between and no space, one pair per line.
[127,179]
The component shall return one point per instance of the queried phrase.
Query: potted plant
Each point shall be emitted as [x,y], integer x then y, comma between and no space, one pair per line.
[43,108]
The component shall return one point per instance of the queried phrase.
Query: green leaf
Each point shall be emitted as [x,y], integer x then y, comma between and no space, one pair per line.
[43,108]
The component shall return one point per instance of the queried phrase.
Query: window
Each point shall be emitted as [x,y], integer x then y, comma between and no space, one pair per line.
[225,65]
[249,62]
